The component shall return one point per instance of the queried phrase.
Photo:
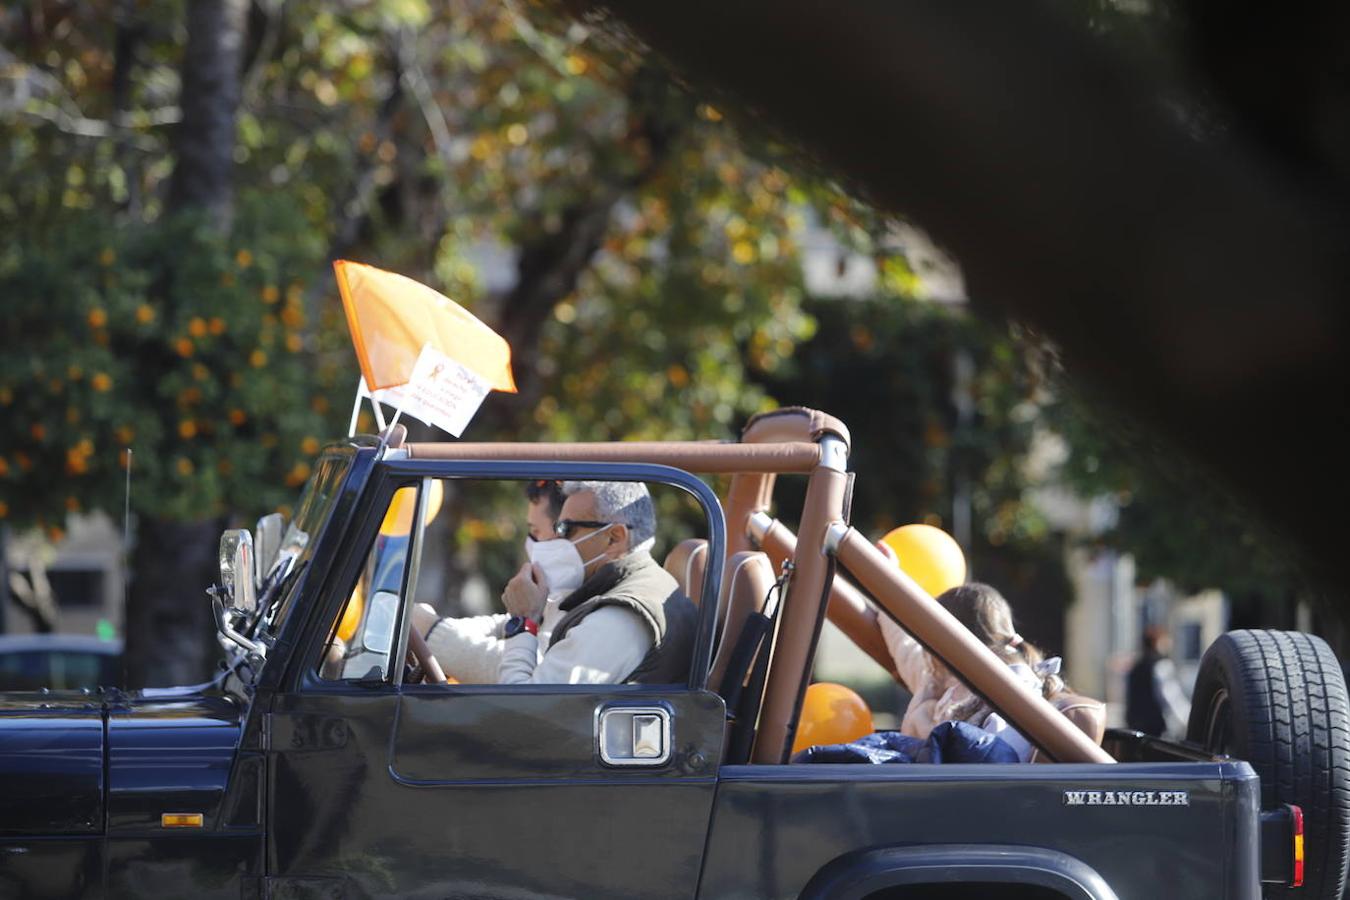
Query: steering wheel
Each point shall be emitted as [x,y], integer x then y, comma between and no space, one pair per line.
[431,670]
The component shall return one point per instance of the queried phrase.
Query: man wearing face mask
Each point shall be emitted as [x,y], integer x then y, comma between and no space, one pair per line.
[592,606]
[469,648]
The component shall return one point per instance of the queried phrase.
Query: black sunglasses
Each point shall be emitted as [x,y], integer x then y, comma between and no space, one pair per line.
[563,527]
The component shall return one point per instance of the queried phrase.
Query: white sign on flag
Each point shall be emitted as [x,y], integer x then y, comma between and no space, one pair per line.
[441,392]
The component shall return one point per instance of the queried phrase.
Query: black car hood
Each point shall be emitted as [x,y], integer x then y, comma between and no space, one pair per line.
[77,763]
[169,754]
[51,763]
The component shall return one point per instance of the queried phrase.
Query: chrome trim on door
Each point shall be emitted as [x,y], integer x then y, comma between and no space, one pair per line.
[633,735]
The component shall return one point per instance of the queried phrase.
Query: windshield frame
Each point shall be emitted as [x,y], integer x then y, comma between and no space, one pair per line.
[318,500]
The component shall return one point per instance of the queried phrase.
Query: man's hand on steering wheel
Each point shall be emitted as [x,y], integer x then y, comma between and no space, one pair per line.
[426,660]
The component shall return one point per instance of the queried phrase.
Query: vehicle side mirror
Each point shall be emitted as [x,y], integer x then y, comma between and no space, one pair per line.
[267,542]
[238,573]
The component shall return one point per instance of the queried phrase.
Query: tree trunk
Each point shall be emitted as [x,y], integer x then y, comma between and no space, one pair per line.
[168,619]
[128,36]
[204,138]
[169,632]
[550,265]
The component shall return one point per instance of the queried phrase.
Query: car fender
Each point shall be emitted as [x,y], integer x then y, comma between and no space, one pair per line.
[860,873]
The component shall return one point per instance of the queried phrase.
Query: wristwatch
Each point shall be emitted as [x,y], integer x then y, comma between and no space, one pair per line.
[516,624]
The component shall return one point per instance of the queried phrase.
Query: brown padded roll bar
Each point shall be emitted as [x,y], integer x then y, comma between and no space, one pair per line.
[752,492]
[849,610]
[710,458]
[793,423]
[801,612]
[941,632]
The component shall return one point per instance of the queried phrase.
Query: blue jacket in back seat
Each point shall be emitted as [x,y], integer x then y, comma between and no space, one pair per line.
[950,742]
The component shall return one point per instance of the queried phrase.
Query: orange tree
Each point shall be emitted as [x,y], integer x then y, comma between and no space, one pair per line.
[214,394]
[150,307]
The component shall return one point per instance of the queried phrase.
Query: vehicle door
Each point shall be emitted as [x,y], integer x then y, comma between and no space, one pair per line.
[381,787]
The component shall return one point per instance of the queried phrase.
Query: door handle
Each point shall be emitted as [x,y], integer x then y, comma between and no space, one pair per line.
[633,735]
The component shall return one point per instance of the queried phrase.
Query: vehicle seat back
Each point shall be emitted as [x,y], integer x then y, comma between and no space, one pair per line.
[687,563]
[749,578]
[1088,715]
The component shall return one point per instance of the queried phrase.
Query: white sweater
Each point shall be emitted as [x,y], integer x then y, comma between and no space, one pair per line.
[604,648]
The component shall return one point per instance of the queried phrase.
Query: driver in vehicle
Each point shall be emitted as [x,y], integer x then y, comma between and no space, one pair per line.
[590,607]
[471,646]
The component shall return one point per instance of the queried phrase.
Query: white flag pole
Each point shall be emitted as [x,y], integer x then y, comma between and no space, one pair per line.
[386,431]
[379,412]
[356,405]
[363,390]
[398,410]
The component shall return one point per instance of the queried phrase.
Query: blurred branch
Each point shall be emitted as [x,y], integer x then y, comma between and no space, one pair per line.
[79,126]
[362,193]
[34,593]
[416,82]
[130,30]
[274,14]
[549,48]
[37,96]
[550,264]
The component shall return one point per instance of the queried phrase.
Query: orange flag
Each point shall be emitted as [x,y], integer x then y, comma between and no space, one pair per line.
[393,318]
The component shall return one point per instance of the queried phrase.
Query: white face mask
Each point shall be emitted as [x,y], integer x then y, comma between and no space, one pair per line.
[563,567]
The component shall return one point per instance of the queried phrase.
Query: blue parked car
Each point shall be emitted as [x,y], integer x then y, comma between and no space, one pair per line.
[60,662]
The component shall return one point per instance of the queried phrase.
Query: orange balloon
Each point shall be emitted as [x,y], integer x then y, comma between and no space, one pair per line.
[351,616]
[929,555]
[831,714]
[398,520]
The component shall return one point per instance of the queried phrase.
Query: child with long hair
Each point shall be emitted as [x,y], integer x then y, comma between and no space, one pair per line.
[938,696]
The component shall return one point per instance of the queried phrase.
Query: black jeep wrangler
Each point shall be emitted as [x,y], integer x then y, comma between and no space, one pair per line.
[329,759]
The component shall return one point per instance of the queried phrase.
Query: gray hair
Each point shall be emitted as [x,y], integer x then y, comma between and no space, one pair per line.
[624,502]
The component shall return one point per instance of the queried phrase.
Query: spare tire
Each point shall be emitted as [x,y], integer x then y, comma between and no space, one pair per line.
[1277,700]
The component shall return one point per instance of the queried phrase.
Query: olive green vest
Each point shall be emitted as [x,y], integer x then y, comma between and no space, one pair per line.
[636,582]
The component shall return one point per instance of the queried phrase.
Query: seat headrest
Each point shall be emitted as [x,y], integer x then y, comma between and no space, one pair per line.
[1087,714]
[750,573]
[687,563]
[749,578]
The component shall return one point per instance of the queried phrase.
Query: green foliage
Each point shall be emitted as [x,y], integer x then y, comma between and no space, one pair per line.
[699,290]
[944,411]
[429,138]
[187,347]
[888,367]
[1177,520]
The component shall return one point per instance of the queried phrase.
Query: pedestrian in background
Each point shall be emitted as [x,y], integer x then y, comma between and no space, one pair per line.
[1154,700]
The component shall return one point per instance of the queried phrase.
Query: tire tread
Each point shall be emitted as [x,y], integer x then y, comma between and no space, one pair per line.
[1291,720]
